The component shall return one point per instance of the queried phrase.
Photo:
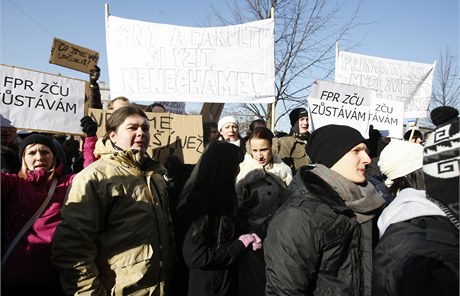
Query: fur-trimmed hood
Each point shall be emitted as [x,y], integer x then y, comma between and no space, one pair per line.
[251,171]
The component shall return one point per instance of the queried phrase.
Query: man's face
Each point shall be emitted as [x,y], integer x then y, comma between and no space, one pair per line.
[119,103]
[301,126]
[353,164]
[213,134]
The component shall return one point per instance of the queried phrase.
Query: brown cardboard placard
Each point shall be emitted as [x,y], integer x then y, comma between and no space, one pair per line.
[170,134]
[72,56]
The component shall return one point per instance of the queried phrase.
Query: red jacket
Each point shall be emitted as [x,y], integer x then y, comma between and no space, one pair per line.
[30,260]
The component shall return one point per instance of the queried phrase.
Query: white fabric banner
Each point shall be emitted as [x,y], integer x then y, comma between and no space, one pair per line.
[394,80]
[159,62]
[34,100]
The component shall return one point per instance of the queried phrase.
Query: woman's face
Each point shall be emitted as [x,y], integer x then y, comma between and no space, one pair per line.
[229,132]
[353,164]
[261,150]
[133,133]
[38,157]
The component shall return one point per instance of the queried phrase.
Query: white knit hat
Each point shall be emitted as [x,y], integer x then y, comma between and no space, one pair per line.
[224,120]
[400,158]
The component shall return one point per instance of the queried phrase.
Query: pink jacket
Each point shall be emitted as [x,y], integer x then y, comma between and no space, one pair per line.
[30,260]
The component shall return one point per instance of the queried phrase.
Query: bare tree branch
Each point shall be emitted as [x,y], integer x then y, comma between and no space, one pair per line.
[306,32]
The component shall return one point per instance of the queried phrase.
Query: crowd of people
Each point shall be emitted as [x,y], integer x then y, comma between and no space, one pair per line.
[323,213]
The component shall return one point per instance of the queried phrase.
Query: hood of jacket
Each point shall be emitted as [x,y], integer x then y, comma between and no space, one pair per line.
[410,203]
[251,171]
[336,191]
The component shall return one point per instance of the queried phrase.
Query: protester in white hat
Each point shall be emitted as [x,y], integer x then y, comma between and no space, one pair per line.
[229,131]
[418,252]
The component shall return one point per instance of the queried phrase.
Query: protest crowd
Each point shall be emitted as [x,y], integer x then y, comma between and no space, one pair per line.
[312,211]
[327,212]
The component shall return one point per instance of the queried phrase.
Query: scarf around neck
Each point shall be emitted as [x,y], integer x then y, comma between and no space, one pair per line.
[362,199]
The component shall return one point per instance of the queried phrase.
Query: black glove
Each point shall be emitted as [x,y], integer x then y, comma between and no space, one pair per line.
[88,126]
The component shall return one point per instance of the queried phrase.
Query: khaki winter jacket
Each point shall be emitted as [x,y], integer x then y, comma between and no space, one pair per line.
[292,152]
[116,232]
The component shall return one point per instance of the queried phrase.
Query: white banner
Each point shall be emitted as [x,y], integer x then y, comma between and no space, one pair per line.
[384,115]
[387,117]
[394,80]
[38,101]
[323,113]
[159,62]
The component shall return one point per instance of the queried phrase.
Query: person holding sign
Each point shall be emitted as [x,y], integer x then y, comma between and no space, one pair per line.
[292,147]
[320,240]
[31,204]
[116,235]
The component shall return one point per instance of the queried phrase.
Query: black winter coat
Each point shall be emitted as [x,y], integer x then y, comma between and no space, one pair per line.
[213,270]
[315,245]
[417,257]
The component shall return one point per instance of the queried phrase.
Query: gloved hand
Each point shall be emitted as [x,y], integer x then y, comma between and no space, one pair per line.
[88,126]
[253,239]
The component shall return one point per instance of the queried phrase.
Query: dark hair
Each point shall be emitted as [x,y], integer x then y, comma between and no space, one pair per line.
[209,195]
[207,126]
[254,123]
[413,180]
[262,133]
[417,134]
[151,106]
[119,116]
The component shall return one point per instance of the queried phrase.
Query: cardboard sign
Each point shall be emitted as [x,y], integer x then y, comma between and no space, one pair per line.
[35,100]
[170,134]
[72,56]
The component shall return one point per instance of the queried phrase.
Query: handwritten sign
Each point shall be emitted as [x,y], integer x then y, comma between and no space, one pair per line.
[394,80]
[387,117]
[170,134]
[354,106]
[159,62]
[72,56]
[336,103]
[174,107]
[34,100]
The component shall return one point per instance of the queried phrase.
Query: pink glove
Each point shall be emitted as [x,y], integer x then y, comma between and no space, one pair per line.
[253,239]
[257,244]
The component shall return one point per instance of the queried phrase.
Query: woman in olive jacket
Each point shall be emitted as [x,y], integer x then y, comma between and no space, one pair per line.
[116,232]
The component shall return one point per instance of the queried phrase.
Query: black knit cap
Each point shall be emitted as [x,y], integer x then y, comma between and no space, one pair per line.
[39,139]
[329,143]
[296,114]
